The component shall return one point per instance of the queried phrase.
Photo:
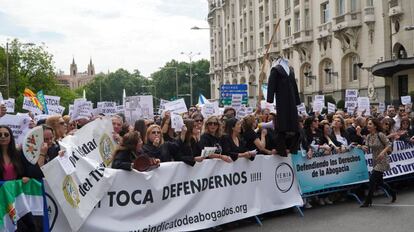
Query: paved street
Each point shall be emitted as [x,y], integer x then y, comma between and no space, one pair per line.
[345,217]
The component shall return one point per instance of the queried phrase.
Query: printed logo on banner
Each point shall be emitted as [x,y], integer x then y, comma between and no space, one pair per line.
[105,149]
[70,192]
[53,211]
[284,177]
[12,213]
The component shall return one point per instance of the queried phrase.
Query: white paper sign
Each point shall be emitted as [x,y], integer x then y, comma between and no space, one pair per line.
[320,98]
[56,110]
[381,107]
[331,108]
[29,105]
[177,122]
[52,101]
[405,100]
[178,106]
[301,109]
[82,109]
[120,109]
[162,106]
[351,98]
[107,108]
[19,124]
[318,106]
[10,103]
[138,107]
[207,110]
[236,101]
[207,151]
[364,105]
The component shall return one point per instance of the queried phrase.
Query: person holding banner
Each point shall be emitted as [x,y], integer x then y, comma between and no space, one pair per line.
[380,147]
[233,144]
[125,155]
[212,135]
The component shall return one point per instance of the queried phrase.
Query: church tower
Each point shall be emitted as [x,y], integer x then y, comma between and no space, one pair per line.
[73,68]
[91,68]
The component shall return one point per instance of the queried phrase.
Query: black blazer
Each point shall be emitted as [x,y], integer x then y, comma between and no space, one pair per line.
[231,149]
[123,160]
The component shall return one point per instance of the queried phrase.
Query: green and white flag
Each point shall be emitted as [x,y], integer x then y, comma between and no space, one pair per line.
[18,199]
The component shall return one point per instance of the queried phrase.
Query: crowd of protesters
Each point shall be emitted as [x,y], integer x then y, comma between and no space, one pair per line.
[233,137]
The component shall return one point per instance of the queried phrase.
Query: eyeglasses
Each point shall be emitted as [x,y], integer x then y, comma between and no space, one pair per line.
[155,132]
[212,123]
[402,110]
[5,135]
[198,120]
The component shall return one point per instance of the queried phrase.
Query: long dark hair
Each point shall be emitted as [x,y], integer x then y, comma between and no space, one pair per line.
[13,155]
[141,127]
[377,124]
[229,125]
[129,142]
[189,123]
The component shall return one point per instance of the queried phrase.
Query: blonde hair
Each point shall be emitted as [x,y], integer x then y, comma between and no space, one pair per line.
[213,118]
[150,129]
[53,122]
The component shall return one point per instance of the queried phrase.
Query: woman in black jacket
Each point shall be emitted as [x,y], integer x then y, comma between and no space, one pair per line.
[212,137]
[155,147]
[126,153]
[232,143]
[189,150]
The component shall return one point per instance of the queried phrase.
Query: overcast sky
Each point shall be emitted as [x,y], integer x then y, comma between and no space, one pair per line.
[130,34]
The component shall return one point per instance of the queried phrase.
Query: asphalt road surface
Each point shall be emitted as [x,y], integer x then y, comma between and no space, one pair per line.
[341,217]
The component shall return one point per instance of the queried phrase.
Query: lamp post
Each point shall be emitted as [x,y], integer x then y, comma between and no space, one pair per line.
[7,66]
[176,78]
[190,56]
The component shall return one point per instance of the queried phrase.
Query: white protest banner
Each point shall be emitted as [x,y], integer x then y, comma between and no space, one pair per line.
[138,107]
[331,108]
[268,184]
[19,124]
[32,143]
[178,106]
[405,100]
[81,109]
[351,96]
[320,98]
[381,107]
[52,101]
[120,109]
[101,145]
[318,106]
[236,101]
[207,110]
[56,110]
[78,193]
[107,108]
[301,109]
[363,105]
[162,106]
[10,103]
[30,106]
[401,160]
[177,122]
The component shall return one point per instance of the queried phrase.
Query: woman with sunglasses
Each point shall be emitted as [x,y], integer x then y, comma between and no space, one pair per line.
[380,147]
[233,144]
[212,137]
[198,120]
[154,145]
[313,134]
[11,164]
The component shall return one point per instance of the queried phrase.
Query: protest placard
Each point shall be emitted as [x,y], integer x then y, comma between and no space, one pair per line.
[107,108]
[162,106]
[302,109]
[178,106]
[381,107]
[318,106]
[331,108]
[10,103]
[138,107]
[351,97]
[177,122]
[320,98]
[236,101]
[81,109]
[405,100]
[364,105]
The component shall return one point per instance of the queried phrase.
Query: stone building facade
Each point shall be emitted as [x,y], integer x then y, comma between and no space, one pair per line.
[77,79]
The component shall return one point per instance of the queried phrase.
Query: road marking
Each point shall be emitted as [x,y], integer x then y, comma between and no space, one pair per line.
[392,205]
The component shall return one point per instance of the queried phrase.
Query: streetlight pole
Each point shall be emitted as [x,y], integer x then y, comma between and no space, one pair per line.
[8,68]
[176,78]
[190,56]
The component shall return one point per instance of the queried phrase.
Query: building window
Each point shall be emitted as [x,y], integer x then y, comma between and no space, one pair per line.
[308,81]
[307,19]
[353,68]
[261,39]
[370,2]
[288,28]
[297,21]
[325,12]
[327,72]
[354,6]
[341,7]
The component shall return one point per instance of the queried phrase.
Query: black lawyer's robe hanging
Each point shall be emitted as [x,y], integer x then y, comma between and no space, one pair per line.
[287,98]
